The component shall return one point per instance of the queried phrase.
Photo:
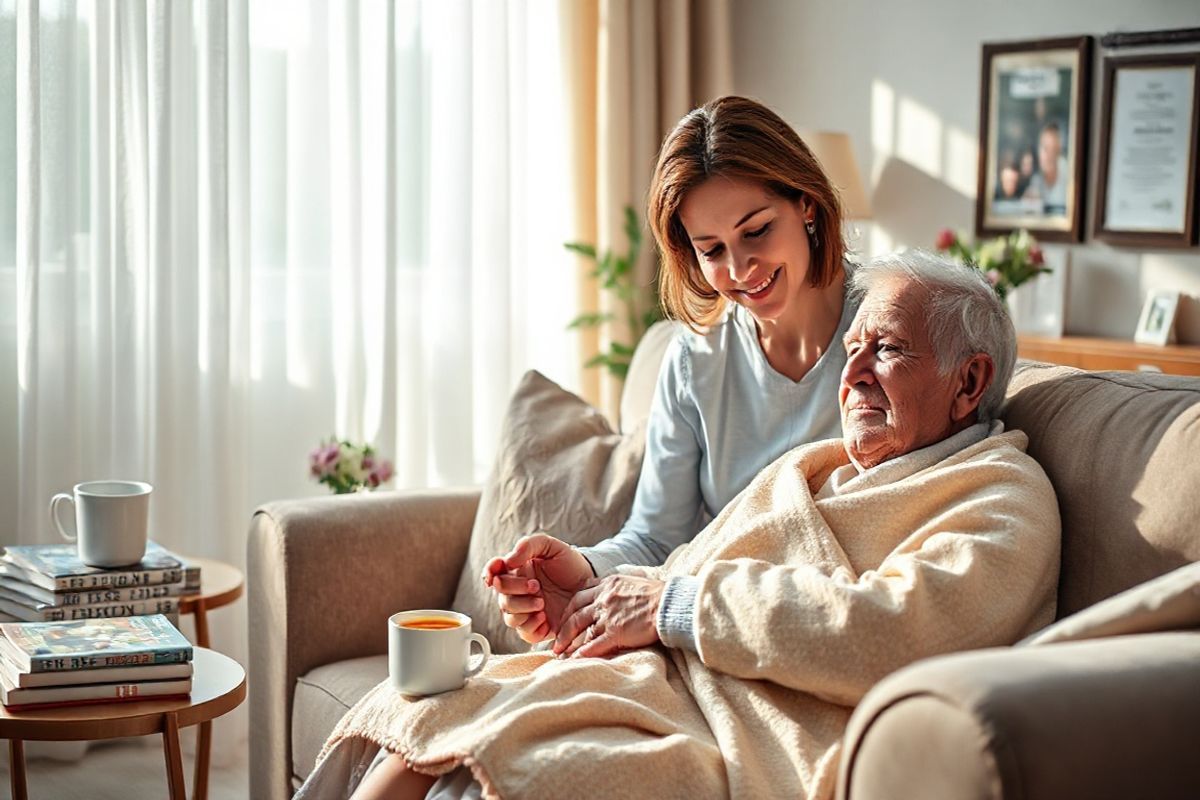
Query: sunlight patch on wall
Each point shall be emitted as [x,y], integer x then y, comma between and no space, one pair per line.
[961,165]
[919,137]
[883,126]
[881,242]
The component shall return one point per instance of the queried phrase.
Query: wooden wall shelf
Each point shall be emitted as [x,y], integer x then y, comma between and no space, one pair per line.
[1111,354]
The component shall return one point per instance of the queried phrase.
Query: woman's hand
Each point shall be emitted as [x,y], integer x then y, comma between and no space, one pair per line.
[610,615]
[535,582]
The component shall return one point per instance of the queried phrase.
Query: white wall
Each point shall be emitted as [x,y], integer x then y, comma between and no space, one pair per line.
[902,78]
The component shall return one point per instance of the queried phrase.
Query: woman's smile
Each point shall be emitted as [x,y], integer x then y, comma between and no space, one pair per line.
[760,292]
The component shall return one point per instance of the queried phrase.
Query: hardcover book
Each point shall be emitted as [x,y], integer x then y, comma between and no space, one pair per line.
[16,588]
[33,680]
[57,567]
[17,698]
[29,610]
[93,644]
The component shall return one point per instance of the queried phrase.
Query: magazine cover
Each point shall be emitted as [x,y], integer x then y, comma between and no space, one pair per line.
[62,560]
[57,568]
[95,643]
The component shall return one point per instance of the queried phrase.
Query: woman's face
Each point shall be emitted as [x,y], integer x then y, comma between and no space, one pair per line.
[751,244]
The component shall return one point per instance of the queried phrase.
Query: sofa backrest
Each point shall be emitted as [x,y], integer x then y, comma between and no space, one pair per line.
[643,373]
[1123,452]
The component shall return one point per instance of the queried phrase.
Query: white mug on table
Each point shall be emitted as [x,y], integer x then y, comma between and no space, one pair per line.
[429,651]
[110,521]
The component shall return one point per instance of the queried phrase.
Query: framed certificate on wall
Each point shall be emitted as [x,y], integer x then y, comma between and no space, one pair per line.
[1148,131]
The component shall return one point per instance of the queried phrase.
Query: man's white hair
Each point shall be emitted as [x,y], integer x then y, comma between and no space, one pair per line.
[963,314]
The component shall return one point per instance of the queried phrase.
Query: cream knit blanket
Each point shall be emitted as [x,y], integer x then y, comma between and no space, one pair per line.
[803,605]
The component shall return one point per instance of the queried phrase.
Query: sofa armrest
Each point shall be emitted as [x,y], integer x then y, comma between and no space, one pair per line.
[323,575]
[1105,718]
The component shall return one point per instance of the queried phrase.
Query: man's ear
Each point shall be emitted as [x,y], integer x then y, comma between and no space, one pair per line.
[974,377]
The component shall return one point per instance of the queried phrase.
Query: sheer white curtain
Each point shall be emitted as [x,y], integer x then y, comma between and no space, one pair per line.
[411,195]
[231,228]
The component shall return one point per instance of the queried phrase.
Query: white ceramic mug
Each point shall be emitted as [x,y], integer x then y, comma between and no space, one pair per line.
[431,660]
[110,521]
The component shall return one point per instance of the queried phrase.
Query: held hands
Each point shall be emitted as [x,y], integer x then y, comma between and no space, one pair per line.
[610,615]
[535,583]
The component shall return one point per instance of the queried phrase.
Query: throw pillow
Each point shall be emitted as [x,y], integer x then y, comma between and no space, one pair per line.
[560,468]
[1169,602]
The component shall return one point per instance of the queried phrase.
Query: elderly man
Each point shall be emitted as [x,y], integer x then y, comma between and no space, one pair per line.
[925,529]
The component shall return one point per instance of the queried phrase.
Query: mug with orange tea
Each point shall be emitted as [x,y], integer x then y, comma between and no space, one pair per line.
[429,651]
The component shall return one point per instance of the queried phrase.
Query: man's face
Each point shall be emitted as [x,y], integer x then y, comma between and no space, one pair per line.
[1049,149]
[892,397]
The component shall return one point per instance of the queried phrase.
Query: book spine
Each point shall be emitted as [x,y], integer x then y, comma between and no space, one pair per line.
[43,663]
[152,672]
[119,580]
[174,695]
[165,606]
[129,594]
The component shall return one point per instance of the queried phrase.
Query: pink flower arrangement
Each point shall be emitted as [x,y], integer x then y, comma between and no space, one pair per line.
[1006,261]
[347,467]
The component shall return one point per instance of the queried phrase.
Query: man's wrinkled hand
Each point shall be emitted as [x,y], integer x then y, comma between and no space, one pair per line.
[610,615]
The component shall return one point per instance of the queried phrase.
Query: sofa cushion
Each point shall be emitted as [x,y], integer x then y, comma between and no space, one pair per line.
[1120,449]
[322,697]
[638,392]
[1171,602]
[560,468]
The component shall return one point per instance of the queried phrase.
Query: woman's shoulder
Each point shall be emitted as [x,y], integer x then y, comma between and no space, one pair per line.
[717,340]
[710,350]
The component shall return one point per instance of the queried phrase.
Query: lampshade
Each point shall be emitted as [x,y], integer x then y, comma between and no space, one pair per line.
[836,155]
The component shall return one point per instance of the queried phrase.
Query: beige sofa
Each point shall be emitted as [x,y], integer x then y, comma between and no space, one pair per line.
[1113,717]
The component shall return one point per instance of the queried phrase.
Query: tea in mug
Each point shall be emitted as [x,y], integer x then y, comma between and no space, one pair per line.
[430,623]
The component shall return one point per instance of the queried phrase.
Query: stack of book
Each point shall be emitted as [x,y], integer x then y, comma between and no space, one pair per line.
[48,583]
[92,661]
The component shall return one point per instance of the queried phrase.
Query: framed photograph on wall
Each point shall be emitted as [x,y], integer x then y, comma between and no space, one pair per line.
[1156,325]
[1149,123]
[1033,121]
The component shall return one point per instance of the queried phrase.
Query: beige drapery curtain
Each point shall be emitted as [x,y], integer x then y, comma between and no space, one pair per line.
[633,68]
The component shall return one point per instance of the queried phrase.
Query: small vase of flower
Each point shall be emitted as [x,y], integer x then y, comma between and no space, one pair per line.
[346,467]
[1006,261]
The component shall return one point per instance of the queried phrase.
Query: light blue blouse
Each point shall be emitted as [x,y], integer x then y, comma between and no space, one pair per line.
[720,414]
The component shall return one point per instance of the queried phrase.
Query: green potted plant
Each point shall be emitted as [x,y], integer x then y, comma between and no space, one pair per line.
[639,305]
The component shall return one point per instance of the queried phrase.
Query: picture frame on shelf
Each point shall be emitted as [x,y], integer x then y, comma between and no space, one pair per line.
[1033,123]
[1149,124]
[1156,325]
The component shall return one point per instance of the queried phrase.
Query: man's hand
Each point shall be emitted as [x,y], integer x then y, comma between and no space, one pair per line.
[610,615]
[535,582]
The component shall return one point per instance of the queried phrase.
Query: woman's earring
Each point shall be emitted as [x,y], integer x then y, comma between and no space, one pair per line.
[811,227]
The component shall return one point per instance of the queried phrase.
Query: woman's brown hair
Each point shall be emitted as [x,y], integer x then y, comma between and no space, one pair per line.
[733,137]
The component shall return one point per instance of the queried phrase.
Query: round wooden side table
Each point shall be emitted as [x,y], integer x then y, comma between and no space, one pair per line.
[220,585]
[218,687]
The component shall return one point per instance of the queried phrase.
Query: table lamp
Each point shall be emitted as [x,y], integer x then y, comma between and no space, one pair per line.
[836,155]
